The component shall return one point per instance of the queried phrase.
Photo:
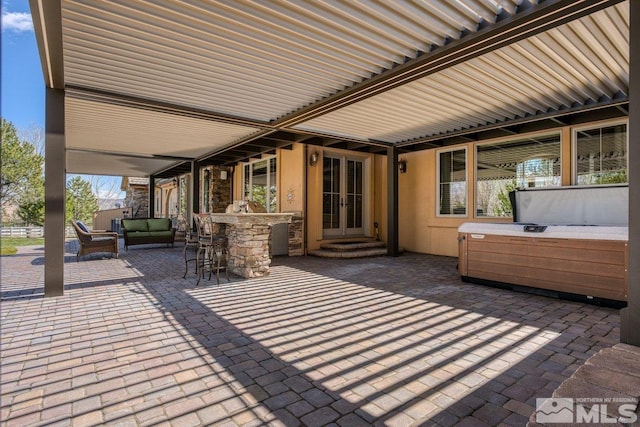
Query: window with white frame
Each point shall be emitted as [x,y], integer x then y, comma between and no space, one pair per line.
[182,195]
[259,183]
[503,166]
[452,182]
[158,197]
[206,190]
[601,154]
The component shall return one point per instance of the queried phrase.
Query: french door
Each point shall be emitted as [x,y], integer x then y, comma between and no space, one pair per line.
[343,196]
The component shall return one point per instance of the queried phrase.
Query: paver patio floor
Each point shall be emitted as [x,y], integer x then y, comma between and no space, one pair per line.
[379,341]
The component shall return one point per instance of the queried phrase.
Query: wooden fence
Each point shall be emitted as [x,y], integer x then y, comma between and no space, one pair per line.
[30,232]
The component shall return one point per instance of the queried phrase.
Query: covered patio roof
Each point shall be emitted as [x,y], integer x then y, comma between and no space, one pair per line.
[142,88]
[152,86]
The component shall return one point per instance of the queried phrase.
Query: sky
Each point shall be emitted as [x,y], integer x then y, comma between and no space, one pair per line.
[23,89]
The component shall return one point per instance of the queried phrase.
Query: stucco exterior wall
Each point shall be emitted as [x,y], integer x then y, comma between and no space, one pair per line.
[421,229]
[314,200]
[291,179]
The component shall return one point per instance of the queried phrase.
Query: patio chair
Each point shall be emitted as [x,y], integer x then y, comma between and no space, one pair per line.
[94,241]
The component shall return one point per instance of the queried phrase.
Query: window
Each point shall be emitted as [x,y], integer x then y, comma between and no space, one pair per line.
[182,195]
[206,191]
[520,163]
[259,183]
[452,182]
[601,155]
[158,197]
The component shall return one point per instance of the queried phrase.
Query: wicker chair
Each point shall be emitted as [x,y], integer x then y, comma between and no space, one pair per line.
[94,241]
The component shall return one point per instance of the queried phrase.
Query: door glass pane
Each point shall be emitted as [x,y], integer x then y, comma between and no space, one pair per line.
[342,203]
[354,194]
[330,211]
[330,193]
[335,175]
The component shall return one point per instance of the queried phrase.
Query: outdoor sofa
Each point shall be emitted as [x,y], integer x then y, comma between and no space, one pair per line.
[141,231]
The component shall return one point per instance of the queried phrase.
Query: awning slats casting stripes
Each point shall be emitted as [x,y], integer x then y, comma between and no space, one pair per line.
[268,61]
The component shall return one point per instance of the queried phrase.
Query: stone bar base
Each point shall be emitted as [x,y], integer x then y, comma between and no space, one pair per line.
[249,249]
[248,239]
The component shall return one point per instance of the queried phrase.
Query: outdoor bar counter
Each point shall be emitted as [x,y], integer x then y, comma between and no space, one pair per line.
[580,261]
[248,240]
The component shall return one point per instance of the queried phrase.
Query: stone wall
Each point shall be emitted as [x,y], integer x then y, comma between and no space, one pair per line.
[137,199]
[249,249]
[219,189]
[296,240]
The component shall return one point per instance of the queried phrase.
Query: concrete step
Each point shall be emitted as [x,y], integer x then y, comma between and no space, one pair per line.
[354,253]
[352,245]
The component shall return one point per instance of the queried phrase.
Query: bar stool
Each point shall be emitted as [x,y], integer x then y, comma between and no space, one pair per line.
[212,251]
[191,243]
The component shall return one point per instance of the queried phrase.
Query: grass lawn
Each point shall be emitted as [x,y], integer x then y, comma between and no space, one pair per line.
[8,245]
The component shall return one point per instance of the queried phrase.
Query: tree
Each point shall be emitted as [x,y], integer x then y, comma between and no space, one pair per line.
[32,212]
[107,191]
[504,207]
[22,169]
[81,202]
[34,135]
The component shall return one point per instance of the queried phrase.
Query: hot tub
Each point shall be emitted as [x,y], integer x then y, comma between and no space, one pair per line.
[581,261]
[588,262]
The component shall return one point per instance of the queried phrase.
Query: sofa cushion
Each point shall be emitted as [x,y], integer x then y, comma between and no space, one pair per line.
[159,224]
[135,225]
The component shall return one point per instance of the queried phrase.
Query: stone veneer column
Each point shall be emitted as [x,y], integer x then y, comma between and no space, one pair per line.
[296,237]
[249,249]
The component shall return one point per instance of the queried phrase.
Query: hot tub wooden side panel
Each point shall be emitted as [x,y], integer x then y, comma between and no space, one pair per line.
[595,268]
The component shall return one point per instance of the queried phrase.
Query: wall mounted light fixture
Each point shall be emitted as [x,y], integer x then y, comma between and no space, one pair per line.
[402,166]
[223,175]
[313,158]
